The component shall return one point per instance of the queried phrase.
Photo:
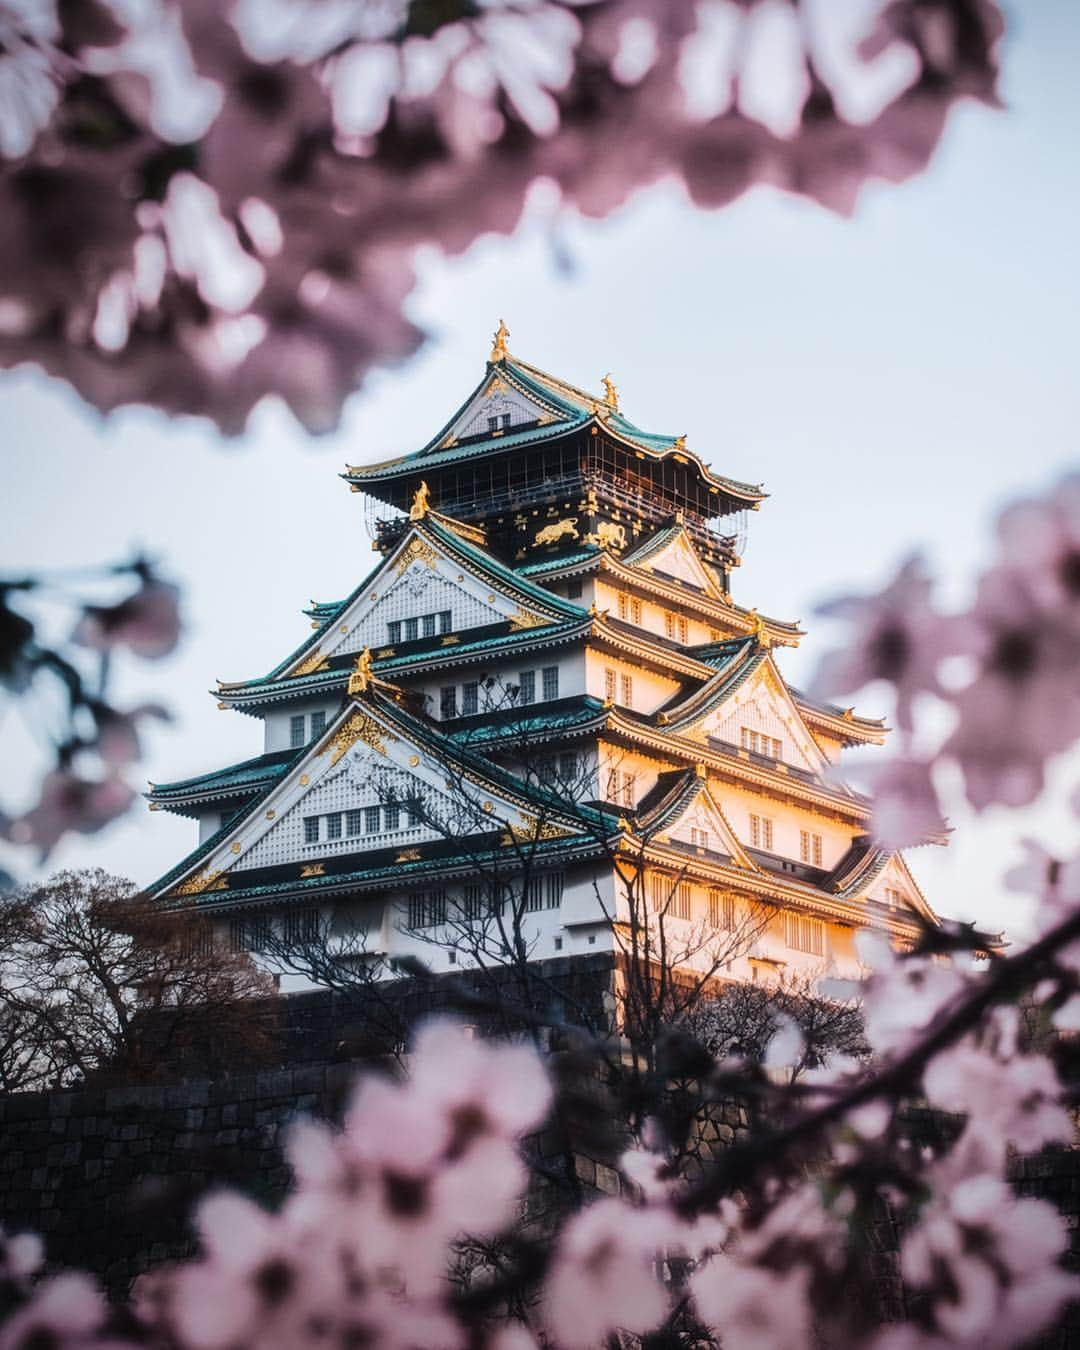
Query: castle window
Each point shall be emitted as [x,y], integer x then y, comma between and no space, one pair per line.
[296,731]
[624,605]
[760,744]
[428,623]
[680,905]
[333,826]
[611,791]
[414,812]
[392,814]
[470,699]
[810,847]
[318,723]
[393,632]
[635,611]
[448,701]
[412,629]
[573,590]
[721,909]
[659,892]
[372,816]
[628,781]
[427,909]
[237,935]
[506,421]
[534,894]
[472,902]
[700,838]
[669,624]
[553,890]
[609,685]
[445,620]
[546,771]
[527,686]
[257,934]
[493,424]
[805,934]
[551,682]
[568,766]
[354,822]
[302,925]
[684,631]
[894,899]
[761,832]
[311,829]
[627,685]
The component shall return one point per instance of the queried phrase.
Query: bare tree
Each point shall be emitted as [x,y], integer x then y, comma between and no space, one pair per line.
[95,980]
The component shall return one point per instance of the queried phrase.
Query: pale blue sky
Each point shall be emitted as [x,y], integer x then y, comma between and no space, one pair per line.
[890,379]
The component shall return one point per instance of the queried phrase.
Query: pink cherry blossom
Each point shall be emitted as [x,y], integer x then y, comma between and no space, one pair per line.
[752,1308]
[63,1311]
[117,739]
[906,807]
[148,622]
[69,802]
[897,636]
[604,1278]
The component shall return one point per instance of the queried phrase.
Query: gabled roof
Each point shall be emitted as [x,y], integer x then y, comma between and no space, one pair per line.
[862,865]
[191,796]
[566,409]
[680,794]
[373,719]
[538,605]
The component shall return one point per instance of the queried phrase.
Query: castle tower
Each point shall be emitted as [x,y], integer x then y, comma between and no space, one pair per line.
[544,690]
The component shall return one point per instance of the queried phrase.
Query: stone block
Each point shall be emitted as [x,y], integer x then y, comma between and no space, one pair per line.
[585,1169]
[607,1179]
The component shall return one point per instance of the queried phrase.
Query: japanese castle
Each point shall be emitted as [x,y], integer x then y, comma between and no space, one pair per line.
[544,696]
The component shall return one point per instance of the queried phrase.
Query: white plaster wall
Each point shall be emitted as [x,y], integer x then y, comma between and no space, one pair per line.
[276,724]
[739,803]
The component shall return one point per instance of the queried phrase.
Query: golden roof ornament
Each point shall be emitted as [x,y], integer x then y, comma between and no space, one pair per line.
[361,676]
[679,443]
[611,392]
[499,351]
[421,503]
[759,630]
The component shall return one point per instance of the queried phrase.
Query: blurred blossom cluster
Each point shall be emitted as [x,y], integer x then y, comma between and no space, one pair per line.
[203,202]
[61,687]
[1004,668]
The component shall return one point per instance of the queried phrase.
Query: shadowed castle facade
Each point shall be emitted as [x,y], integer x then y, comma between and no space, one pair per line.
[544,677]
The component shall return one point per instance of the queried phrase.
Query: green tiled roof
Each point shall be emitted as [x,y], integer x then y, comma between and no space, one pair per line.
[581,555]
[573,408]
[248,774]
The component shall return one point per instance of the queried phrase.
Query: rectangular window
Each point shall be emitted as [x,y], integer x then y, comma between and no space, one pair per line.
[318,723]
[810,847]
[611,791]
[553,890]
[470,699]
[546,771]
[609,685]
[680,905]
[635,611]
[302,925]
[372,816]
[894,898]
[551,683]
[427,909]
[624,605]
[659,892]
[805,934]
[237,935]
[392,814]
[296,731]
[766,832]
[669,624]
[527,685]
[393,632]
[445,620]
[506,421]
[534,894]
[755,831]
[568,766]
[311,829]
[721,909]
[414,812]
[258,934]
[626,684]
[700,838]
[493,424]
[354,822]
[472,902]
[412,629]
[628,782]
[448,701]
[684,631]
[429,625]
[333,826]
[573,590]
